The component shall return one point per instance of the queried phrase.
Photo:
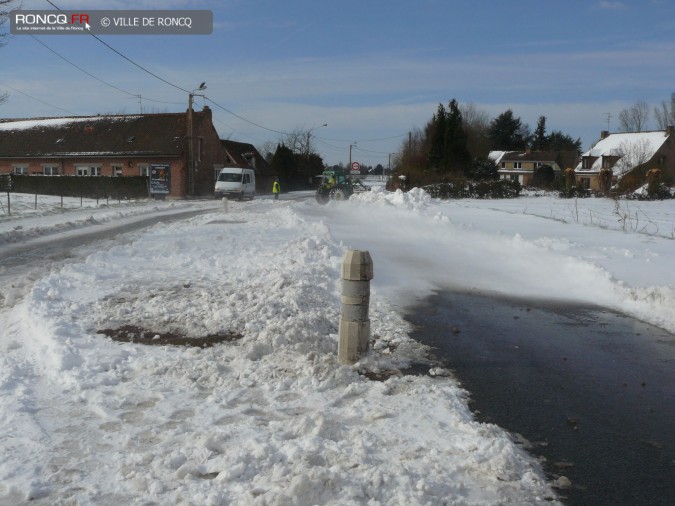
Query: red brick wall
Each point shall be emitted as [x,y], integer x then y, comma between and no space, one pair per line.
[130,167]
[211,153]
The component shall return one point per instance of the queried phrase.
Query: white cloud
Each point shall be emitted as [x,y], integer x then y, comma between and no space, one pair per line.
[607,4]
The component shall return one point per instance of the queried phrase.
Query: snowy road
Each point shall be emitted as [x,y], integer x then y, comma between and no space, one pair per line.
[272,418]
[25,258]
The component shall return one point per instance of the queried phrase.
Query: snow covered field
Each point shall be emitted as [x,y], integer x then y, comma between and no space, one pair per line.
[271,418]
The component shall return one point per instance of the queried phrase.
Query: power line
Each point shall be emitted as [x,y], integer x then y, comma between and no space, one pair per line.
[125,57]
[81,69]
[205,98]
[38,100]
[134,95]
[244,119]
[172,84]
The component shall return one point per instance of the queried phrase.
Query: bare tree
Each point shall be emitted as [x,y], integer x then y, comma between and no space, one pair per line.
[665,114]
[632,154]
[296,140]
[634,118]
[476,124]
[267,149]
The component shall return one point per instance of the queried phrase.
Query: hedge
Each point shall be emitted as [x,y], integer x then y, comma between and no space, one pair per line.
[130,187]
[501,189]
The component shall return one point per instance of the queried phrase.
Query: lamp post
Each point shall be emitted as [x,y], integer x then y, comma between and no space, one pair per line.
[309,132]
[191,156]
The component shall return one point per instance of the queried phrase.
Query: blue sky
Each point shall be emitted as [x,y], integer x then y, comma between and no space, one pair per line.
[371,70]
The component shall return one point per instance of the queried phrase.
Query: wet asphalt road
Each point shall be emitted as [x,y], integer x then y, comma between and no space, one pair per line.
[593,391]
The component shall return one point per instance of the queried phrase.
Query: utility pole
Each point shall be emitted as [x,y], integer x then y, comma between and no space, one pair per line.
[350,154]
[191,156]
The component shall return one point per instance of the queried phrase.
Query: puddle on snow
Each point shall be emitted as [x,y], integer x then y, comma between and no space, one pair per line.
[134,334]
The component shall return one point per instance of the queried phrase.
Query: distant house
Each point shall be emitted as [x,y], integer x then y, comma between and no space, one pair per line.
[520,165]
[627,155]
[116,146]
[241,154]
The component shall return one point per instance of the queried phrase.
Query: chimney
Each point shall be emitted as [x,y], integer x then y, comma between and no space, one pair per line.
[670,131]
[604,134]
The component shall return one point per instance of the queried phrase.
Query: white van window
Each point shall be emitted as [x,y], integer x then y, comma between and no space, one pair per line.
[247,179]
[229,177]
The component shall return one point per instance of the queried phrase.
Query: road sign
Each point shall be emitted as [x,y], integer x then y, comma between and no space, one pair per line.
[356,168]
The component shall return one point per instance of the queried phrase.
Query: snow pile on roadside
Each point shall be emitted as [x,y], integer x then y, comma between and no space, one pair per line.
[415,199]
[267,419]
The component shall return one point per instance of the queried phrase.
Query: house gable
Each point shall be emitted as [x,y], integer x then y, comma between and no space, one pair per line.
[241,154]
[520,165]
[621,152]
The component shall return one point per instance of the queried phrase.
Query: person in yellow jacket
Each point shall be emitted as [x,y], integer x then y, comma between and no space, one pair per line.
[276,189]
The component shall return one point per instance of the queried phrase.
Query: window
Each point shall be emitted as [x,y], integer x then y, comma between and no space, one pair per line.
[200,148]
[116,170]
[503,165]
[517,165]
[144,170]
[20,169]
[88,170]
[50,170]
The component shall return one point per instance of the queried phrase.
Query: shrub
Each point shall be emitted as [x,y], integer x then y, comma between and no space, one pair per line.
[501,189]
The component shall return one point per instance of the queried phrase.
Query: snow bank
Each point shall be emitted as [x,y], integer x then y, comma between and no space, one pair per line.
[272,418]
[269,419]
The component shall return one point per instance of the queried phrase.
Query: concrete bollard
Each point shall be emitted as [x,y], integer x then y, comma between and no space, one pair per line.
[225,205]
[354,328]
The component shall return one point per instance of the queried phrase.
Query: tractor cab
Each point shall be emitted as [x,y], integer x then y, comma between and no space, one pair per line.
[335,184]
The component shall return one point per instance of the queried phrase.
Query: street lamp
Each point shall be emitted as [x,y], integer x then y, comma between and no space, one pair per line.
[309,132]
[191,161]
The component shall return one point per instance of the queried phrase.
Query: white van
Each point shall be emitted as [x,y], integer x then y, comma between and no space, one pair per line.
[235,182]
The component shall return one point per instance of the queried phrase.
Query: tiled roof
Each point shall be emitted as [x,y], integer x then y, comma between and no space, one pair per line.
[562,158]
[241,151]
[114,135]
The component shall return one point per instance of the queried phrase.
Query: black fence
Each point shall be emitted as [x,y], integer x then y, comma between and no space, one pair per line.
[95,187]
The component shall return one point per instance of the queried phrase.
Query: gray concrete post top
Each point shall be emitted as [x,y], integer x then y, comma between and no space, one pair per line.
[357,266]
[354,327]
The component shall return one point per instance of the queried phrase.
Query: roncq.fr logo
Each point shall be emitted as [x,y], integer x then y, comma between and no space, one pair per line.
[51,19]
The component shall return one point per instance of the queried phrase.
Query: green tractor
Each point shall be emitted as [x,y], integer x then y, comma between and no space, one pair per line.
[335,184]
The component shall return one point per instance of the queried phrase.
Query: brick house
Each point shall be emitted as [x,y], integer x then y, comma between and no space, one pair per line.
[629,156]
[115,146]
[241,154]
[520,165]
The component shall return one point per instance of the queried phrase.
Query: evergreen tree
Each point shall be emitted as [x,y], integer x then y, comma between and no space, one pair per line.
[456,155]
[540,140]
[283,163]
[508,133]
[436,134]
[558,141]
